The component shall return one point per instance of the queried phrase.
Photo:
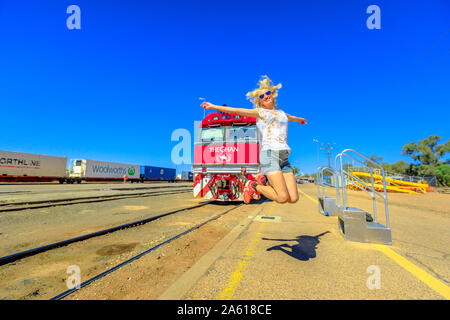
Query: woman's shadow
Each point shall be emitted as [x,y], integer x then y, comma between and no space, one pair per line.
[304,250]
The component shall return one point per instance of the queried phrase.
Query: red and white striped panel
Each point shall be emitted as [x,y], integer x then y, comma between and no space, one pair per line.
[202,187]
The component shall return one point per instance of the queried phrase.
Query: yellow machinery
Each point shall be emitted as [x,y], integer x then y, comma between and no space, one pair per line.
[394,184]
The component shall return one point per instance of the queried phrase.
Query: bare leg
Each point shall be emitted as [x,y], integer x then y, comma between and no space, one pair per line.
[277,190]
[291,186]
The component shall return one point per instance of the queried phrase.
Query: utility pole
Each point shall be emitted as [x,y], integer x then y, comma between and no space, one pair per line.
[328,150]
[328,147]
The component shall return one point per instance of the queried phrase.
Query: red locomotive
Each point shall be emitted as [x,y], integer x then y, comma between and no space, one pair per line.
[226,155]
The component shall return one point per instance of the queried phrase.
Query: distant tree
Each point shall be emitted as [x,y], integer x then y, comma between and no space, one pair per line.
[400,167]
[427,154]
[443,171]
[427,151]
[295,170]
[373,158]
[347,167]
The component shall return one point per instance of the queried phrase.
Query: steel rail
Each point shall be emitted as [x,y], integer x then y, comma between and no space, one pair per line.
[70,201]
[111,188]
[85,283]
[82,198]
[27,253]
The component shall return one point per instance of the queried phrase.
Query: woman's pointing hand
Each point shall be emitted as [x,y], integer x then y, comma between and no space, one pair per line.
[207,105]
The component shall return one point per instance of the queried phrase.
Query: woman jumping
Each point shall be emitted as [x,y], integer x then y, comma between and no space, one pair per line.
[272,124]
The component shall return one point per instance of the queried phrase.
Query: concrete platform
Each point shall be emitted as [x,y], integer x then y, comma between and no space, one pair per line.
[290,251]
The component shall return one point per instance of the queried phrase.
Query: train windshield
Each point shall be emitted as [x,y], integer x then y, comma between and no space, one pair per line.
[212,134]
[241,133]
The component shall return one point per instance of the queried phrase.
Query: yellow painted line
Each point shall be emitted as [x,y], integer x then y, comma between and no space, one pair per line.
[420,274]
[228,291]
[423,276]
[308,196]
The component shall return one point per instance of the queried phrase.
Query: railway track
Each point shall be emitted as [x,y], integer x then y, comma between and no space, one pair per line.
[101,275]
[31,252]
[26,205]
[27,253]
[106,188]
[15,192]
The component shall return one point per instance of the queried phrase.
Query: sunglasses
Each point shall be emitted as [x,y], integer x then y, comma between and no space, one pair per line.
[268,93]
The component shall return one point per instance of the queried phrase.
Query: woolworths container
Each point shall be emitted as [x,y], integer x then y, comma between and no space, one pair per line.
[83,168]
[18,164]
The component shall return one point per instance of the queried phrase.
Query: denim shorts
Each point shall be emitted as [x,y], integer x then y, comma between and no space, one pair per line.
[274,160]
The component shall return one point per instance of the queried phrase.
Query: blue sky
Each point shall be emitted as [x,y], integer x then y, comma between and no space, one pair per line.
[116,89]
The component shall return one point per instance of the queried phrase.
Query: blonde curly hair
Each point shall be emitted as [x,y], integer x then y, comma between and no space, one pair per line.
[264,84]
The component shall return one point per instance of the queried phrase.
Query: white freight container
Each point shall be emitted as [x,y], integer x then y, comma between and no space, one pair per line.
[31,165]
[83,168]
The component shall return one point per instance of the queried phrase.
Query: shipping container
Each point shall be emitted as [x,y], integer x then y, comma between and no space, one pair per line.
[101,170]
[187,175]
[159,173]
[18,166]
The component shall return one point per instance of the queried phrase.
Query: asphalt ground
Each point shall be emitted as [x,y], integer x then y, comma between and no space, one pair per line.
[262,251]
[300,254]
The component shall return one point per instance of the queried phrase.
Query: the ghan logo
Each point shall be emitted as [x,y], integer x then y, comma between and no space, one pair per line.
[224,153]
[222,149]
[223,157]
[221,154]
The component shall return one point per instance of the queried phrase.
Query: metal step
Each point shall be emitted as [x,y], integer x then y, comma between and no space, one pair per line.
[327,206]
[353,226]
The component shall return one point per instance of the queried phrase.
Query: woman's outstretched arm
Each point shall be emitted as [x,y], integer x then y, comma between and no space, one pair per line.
[296,119]
[239,111]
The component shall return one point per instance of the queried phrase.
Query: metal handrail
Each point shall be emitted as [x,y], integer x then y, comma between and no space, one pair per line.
[362,182]
[344,194]
[321,181]
[361,188]
[372,188]
[319,178]
[338,196]
[371,177]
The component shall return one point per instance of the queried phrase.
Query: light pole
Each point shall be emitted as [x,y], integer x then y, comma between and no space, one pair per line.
[318,148]
[204,110]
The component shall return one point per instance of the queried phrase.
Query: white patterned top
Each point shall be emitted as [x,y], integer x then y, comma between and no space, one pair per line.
[273,127]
